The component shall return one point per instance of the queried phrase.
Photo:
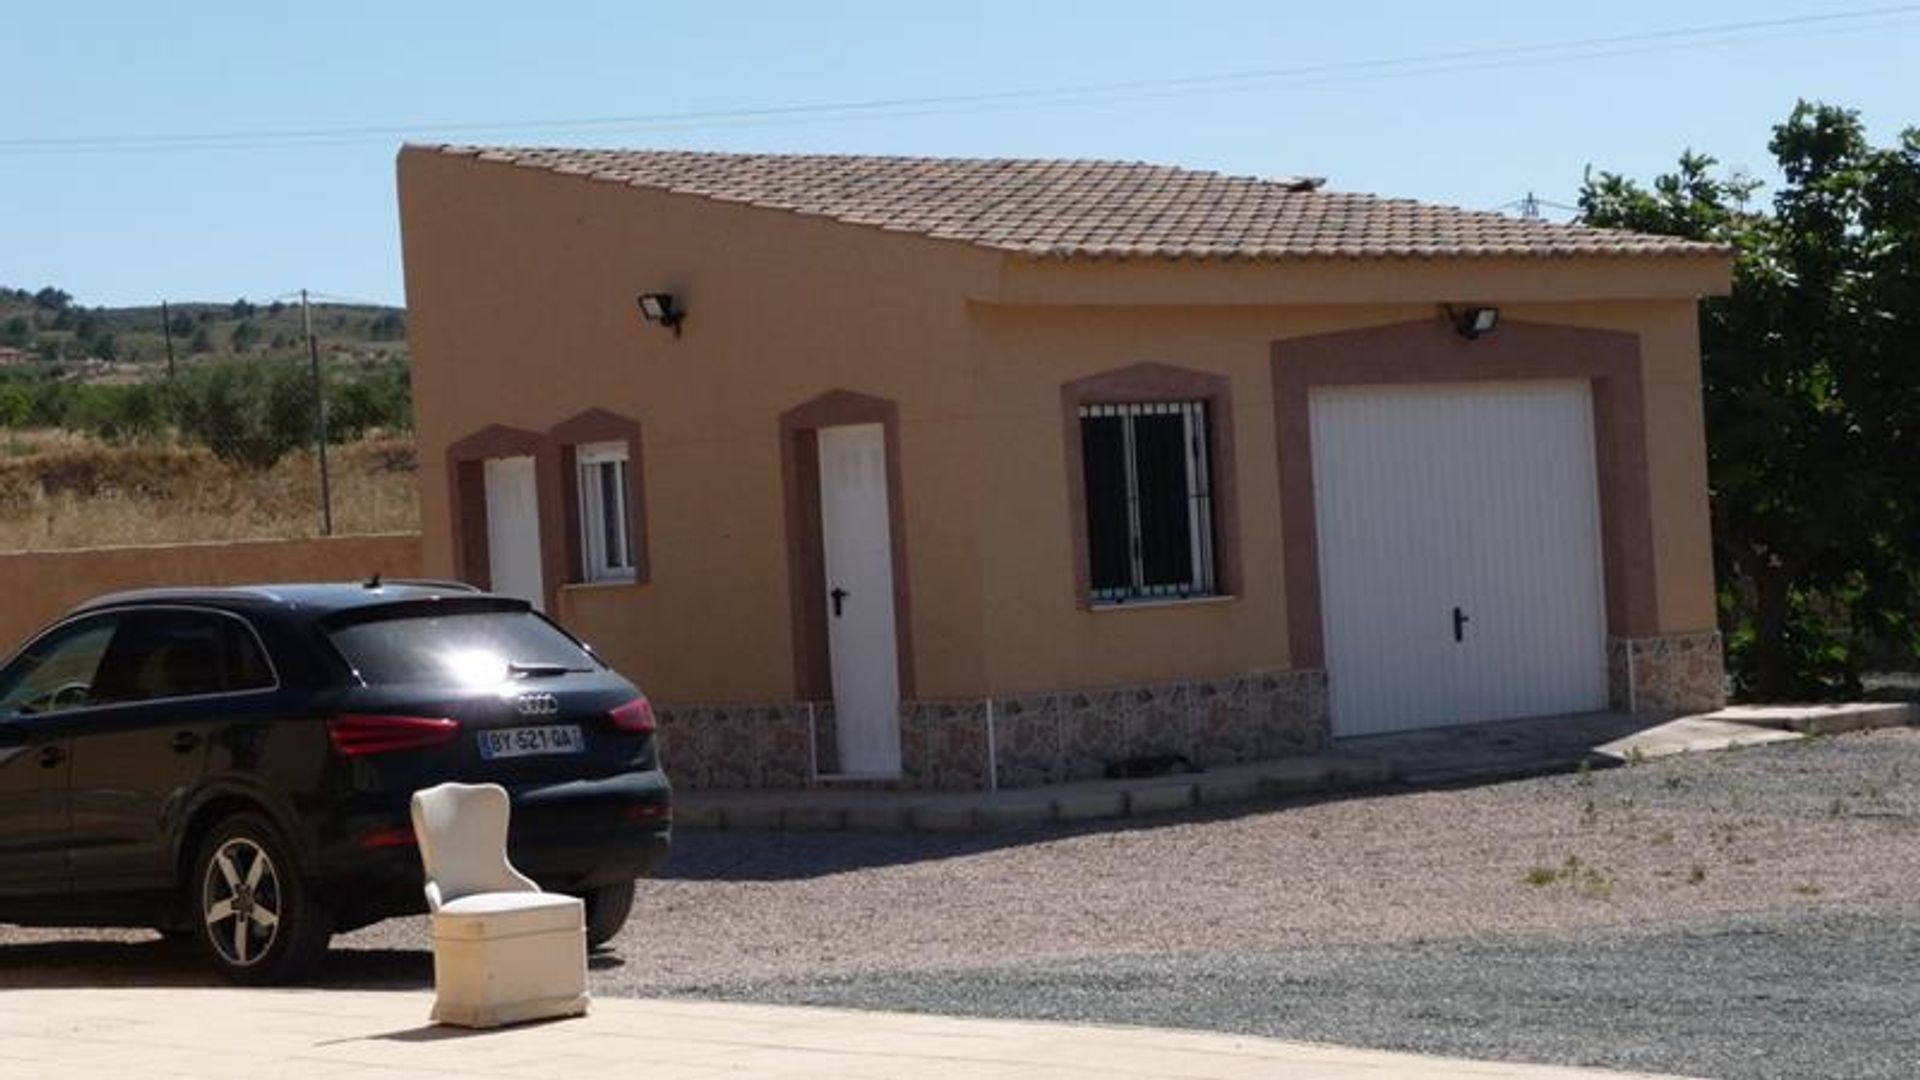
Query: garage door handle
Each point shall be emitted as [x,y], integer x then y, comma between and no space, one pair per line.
[839,596]
[184,741]
[1460,621]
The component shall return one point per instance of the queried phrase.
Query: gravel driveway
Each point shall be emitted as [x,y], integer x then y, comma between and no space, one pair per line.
[1743,914]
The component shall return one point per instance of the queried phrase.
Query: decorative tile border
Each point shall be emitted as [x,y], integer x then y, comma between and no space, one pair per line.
[1022,741]
[1680,673]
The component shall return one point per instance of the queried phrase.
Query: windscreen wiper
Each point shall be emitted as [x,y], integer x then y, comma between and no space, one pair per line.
[539,669]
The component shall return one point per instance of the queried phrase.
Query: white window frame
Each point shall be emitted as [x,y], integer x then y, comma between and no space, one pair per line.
[598,563]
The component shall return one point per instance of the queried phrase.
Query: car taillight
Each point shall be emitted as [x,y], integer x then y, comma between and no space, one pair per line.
[635,715]
[358,734]
[400,836]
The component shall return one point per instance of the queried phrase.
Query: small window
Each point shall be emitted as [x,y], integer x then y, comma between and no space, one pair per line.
[1149,491]
[606,524]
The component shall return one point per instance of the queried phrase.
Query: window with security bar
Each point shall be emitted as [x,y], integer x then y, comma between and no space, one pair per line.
[606,527]
[1149,491]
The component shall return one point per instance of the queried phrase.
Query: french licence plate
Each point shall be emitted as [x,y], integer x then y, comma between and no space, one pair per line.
[527,741]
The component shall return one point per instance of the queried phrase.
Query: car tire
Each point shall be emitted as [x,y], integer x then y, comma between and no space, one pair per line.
[607,909]
[254,916]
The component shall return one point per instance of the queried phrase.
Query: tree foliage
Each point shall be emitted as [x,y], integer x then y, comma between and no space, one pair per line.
[1811,393]
[248,412]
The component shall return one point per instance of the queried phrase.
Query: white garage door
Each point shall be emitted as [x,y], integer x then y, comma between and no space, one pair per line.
[1460,573]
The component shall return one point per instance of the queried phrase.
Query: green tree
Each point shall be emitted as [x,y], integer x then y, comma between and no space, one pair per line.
[201,342]
[245,336]
[18,332]
[1812,405]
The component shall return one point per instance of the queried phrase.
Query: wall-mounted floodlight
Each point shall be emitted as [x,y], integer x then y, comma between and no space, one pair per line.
[1471,322]
[658,307]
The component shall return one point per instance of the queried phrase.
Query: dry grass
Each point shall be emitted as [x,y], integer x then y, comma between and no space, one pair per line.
[59,490]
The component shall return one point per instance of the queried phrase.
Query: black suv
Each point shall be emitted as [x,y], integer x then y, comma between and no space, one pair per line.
[235,765]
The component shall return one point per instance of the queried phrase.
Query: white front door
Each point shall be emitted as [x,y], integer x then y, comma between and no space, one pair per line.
[513,529]
[857,539]
[1460,560]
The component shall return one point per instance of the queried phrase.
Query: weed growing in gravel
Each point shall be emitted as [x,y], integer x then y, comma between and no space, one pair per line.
[1697,875]
[1635,755]
[1836,808]
[1661,838]
[1583,773]
[1595,882]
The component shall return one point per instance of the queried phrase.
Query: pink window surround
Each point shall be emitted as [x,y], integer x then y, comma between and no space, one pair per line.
[467,502]
[1145,384]
[601,426]
[806,546]
[1430,351]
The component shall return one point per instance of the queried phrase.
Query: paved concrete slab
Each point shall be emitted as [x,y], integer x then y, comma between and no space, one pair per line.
[231,1034]
[1691,735]
[1825,719]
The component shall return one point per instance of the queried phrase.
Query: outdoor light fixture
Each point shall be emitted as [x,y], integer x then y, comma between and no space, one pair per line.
[1471,322]
[658,307]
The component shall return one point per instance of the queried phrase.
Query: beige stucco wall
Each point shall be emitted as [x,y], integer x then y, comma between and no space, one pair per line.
[521,297]
[521,289]
[1040,638]
[39,586]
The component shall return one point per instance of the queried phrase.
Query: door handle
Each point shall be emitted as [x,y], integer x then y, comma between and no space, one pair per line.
[1460,621]
[52,755]
[838,595]
[184,741]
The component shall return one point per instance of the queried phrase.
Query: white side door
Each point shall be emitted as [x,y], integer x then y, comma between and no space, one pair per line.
[513,529]
[1460,560]
[857,540]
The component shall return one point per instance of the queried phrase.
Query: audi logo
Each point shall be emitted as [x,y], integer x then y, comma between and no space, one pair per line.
[537,704]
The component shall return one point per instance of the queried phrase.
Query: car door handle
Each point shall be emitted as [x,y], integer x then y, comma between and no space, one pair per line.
[184,741]
[52,755]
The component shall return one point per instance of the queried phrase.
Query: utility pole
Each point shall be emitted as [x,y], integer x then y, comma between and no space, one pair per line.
[166,329]
[319,418]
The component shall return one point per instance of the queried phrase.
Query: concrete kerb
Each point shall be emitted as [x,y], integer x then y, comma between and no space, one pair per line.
[817,810]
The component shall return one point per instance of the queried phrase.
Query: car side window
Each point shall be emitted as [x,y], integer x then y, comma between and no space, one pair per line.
[171,653]
[59,670]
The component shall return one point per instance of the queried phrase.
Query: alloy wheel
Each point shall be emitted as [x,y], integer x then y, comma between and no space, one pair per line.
[240,900]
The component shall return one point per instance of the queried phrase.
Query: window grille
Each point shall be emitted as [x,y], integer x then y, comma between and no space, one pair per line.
[1149,494]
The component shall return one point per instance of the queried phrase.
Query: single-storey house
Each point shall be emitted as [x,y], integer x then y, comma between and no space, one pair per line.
[991,473]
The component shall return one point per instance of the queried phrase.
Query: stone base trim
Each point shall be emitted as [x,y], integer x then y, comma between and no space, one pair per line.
[1677,673]
[1064,737]
[1020,741]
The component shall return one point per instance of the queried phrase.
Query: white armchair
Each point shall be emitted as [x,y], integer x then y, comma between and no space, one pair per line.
[503,951]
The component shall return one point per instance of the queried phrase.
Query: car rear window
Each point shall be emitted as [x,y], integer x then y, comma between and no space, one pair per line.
[472,647]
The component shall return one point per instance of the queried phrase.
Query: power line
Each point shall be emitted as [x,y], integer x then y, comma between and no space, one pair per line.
[1589,48]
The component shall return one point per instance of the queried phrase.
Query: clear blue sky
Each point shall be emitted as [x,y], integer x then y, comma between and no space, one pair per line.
[115,223]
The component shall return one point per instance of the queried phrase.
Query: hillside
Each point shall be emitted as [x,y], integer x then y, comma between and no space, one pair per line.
[126,343]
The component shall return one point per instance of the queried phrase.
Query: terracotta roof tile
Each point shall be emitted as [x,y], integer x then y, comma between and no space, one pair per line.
[1071,209]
